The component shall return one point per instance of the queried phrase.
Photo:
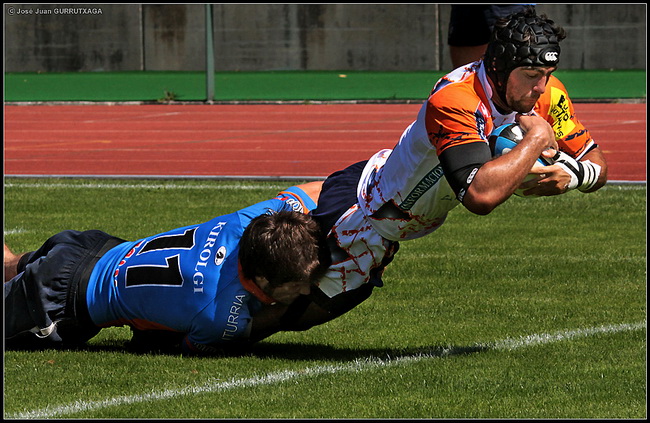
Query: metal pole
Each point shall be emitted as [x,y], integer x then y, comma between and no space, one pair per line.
[209,53]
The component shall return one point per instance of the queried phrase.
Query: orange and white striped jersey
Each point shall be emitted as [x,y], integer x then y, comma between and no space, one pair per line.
[403,193]
[460,111]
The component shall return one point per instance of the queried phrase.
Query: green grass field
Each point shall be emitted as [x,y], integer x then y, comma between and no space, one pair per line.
[535,311]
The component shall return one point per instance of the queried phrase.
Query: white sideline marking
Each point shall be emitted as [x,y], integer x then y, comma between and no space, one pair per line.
[231,186]
[618,185]
[356,365]
[14,231]
[148,186]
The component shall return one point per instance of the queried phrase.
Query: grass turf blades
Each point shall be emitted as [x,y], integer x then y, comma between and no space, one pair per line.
[549,268]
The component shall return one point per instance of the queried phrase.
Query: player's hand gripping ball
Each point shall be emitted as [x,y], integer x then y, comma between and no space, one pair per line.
[504,138]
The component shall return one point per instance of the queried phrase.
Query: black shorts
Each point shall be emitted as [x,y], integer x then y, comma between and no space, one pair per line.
[338,194]
[45,304]
[471,25]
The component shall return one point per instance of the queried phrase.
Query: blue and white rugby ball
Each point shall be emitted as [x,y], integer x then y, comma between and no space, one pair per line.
[504,138]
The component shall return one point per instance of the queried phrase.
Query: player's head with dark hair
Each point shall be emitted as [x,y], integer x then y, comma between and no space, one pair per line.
[283,247]
[521,39]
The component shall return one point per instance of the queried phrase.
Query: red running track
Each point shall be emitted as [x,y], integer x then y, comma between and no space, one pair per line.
[266,141]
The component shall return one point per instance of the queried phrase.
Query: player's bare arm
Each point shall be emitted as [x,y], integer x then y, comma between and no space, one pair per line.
[498,179]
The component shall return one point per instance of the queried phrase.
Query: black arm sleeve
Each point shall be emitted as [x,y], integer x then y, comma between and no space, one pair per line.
[461,162]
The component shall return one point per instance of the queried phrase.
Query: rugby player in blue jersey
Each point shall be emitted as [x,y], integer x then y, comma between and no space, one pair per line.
[200,283]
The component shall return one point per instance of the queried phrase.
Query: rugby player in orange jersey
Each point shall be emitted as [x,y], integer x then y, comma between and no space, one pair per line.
[443,159]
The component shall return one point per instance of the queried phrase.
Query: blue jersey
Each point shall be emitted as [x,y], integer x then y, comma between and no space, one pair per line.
[184,280]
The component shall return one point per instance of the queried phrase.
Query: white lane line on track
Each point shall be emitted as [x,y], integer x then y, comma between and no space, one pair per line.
[232,186]
[235,182]
[357,365]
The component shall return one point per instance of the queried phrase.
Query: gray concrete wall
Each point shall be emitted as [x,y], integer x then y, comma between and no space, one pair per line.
[257,37]
[58,38]
[601,36]
[327,37]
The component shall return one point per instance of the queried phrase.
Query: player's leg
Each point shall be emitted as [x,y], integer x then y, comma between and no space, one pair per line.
[11,262]
[45,305]
[31,294]
[15,263]
[321,309]
[312,189]
[306,312]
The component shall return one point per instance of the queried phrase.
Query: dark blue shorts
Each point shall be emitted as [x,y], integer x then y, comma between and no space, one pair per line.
[338,194]
[45,304]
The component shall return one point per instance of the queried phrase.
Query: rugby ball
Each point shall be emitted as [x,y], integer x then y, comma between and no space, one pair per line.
[503,139]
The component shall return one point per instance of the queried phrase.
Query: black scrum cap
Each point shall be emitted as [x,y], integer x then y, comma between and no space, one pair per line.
[526,40]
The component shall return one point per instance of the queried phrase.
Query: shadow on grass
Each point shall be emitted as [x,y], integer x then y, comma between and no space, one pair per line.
[315,352]
[264,350]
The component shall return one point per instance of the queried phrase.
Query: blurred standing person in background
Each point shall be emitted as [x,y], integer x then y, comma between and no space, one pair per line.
[470,26]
